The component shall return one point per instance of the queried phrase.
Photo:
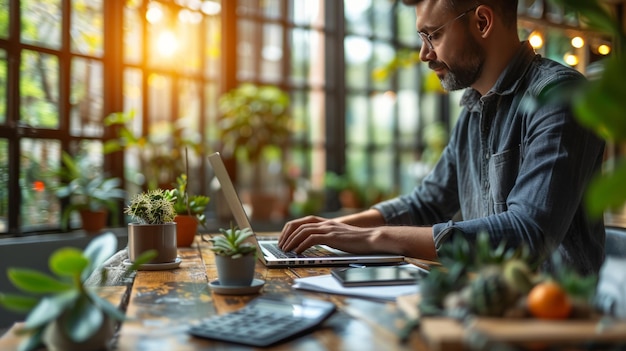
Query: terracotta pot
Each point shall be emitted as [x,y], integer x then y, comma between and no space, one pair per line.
[262,205]
[93,221]
[159,237]
[186,229]
[235,271]
[55,338]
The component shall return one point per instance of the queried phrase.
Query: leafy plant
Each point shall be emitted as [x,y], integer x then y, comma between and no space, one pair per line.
[186,204]
[160,150]
[86,187]
[232,242]
[256,122]
[600,105]
[152,207]
[65,297]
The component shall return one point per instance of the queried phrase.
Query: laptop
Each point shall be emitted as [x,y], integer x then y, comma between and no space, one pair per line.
[269,252]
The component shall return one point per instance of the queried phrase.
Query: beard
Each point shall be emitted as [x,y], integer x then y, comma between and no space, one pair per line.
[468,69]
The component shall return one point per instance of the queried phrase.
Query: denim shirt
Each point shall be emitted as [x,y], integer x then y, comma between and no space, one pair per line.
[516,169]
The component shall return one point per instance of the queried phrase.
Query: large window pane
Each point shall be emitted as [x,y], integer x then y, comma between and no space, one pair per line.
[3,87]
[272,53]
[188,35]
[39,89]
[382,20]
[383,118]
[133,34]
[408,116]
[383,53]
[86,97]
[406,33]
[41,22]
[87,27]
[4,186]
[4,19]
[40,208]
[246,57]
[358,14]
[213,40]
[358,52]
[356,120]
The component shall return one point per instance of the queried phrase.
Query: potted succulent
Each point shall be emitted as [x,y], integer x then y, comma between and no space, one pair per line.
[64,313]
[255,125]
[189,212]
[89,193]
[155,228]
[235,257]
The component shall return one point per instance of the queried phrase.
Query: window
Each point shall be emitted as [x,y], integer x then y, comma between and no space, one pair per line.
[65,66]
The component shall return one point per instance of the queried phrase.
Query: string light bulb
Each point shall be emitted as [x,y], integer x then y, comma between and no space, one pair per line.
[570,59]
[604,49]
[578,42]
[535,39]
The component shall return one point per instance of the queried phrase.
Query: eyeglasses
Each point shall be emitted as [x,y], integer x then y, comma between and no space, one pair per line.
[427,38]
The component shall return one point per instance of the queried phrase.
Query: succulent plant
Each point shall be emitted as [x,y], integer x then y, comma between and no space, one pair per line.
[232,242]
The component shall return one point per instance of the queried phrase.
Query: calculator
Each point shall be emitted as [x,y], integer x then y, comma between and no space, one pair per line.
[265,321]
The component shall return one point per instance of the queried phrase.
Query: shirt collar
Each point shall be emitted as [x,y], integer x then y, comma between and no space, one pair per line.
[509,79]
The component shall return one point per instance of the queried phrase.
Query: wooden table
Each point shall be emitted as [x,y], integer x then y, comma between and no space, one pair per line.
[162,304]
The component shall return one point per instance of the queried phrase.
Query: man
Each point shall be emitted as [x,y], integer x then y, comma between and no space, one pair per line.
[514,168]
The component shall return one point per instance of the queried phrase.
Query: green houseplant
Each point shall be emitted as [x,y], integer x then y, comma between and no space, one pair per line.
[189,212]
[64,313]
[89,193]
[235,257]
[255,124]
[155,228]
[160,150]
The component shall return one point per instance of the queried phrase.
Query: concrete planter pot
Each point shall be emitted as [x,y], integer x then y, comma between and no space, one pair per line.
[56,339]
[235,271]
[159,237]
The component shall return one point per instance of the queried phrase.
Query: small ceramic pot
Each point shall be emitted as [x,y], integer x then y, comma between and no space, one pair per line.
[235,271]
[159,237]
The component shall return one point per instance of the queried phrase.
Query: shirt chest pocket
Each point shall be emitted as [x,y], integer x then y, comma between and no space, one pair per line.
[503,169]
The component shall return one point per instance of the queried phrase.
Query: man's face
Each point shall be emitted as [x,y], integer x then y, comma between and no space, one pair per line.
[457,57]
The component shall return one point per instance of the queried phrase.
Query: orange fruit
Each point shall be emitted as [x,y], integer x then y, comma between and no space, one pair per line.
[548,300]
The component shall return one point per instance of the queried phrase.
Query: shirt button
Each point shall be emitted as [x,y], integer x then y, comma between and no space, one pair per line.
[486,156]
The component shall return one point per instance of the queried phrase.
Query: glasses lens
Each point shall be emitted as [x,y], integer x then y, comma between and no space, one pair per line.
[425,40]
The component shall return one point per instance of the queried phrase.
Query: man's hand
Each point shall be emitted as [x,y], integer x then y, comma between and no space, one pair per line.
[300,234]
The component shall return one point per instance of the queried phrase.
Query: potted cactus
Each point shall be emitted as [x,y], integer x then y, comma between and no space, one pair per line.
[155,228]
[235,257]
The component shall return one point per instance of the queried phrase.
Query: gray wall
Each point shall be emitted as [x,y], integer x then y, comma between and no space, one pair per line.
[33,252]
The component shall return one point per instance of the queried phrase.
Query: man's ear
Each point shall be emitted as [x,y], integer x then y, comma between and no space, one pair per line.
[484,20]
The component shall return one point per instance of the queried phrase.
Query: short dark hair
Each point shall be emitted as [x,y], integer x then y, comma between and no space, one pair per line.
[506,8]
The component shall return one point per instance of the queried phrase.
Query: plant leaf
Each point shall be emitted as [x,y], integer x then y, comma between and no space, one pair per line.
[83,320]
[50,308]
[98,251]
[606,191]
[106,306]
[17,303]
[36,282]
[68,261]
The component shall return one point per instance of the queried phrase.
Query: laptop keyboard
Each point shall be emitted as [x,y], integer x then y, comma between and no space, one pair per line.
[310,252]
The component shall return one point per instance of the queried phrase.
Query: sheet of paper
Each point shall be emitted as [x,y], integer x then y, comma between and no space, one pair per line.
[328,284]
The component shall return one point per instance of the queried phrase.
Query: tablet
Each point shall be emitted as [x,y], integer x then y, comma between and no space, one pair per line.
[378,275]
